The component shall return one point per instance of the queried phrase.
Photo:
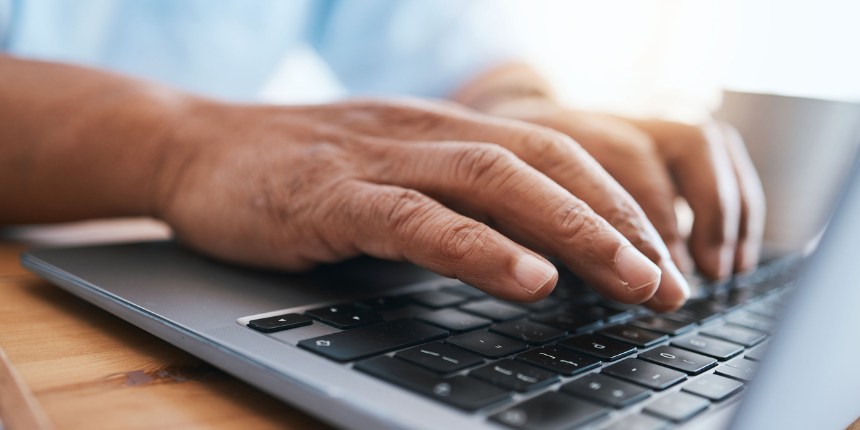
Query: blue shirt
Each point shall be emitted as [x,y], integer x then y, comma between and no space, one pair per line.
[229,48]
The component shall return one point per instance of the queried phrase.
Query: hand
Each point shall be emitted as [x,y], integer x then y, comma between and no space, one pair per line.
[451,190]
[708,165]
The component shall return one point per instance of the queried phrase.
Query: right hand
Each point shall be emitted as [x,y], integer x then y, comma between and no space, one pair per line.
[457,192]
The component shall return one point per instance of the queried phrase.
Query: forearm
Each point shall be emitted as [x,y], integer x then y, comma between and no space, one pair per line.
[77,143]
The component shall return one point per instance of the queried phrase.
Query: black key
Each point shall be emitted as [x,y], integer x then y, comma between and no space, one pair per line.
[600,347]
[529,332]
[495,310]
[756,354]
[329,312]
[348,322]
[454,320]
[737,334]
[384,303]
[569,322]
[678,359]
[602,312]
[550,411]
[699,312]
[677,406]
[437,299]
[713,387]
[753,321]
[544,305]
[634,335]
[638,422]
[607,390]
[488,344]
[459,391]
[664,325]
[721,350]
[742,369]
[645,373]
[439,357]
[464,290]
[515,375]
[373,339]
[559,360]
[279,322]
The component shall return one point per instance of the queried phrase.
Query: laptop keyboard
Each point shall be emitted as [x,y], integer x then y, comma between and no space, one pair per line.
[572,360]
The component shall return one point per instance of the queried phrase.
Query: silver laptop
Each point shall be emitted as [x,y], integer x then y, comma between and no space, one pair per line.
[369,344]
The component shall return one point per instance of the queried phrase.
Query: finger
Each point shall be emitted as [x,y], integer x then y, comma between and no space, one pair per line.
[548,151]
[396,223]
[699,160]
[751,227]
[634,161]
[489,181]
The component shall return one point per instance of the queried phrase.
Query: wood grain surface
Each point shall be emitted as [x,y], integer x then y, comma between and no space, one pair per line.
[88,369]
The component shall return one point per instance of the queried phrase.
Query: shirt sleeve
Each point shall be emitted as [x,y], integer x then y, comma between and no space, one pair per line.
[5,22]
[411,47]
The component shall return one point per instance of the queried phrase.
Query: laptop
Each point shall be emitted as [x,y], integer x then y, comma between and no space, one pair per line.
[371,344]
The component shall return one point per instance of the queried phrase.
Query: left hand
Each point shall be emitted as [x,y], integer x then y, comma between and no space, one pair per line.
[708,165]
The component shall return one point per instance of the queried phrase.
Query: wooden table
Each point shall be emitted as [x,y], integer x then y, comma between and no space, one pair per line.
[83,368]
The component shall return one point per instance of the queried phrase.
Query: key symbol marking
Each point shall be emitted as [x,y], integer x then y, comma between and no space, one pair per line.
[570,363]
[282,320]
[594,385]
[323,343]
[442,389]
[598,346]
[667,355]
[630,333]
[617,393]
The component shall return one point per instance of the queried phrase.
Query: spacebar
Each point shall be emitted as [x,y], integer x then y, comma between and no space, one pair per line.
[373,339]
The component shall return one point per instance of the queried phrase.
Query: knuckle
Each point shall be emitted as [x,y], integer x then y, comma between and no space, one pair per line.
[463,240]
[479,163]
[577,223]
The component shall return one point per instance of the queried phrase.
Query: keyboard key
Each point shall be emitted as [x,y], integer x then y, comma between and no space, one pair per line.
[544,305]
[678,359]
[721,350]
[550,411]
[756,354]
[607,390]
[645,373]
[737,334]
[459,391]
[529,332]
[515,375]
[559,360]
[437,299]
[373,339]
[348,322]
[600,347]
[440,357]
[677,406]
[569,322]
[329,312]
[713,387]
[739,369]
[454,320]
[384,303]
[638,422]
[495,310]
[488,344]
[633,335]
[754,321]
[664,325]
[466,291]
[699,312]
[279,322]
[602,312]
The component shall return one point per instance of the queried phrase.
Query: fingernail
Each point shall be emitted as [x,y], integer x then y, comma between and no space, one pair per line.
[532,273]
[635,269]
